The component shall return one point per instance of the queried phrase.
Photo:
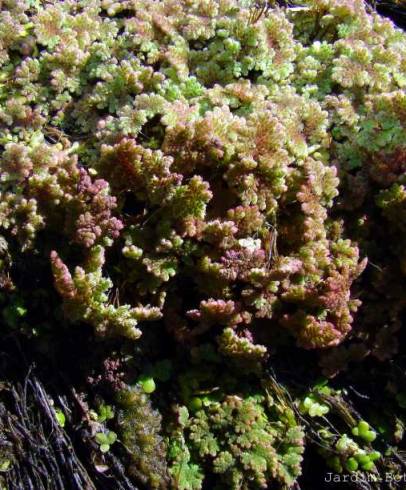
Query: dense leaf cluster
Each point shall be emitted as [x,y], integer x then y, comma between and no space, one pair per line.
[230,174]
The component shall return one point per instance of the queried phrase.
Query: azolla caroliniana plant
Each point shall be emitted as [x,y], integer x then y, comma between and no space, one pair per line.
[218,170]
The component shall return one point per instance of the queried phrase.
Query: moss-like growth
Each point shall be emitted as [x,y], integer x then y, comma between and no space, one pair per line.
[140,432]
[221,172]
[247,441]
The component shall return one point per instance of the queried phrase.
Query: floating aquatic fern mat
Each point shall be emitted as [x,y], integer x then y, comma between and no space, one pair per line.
[202,245]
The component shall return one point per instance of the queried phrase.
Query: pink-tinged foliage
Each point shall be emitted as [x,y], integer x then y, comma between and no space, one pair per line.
[234,170]
[63,279]
[228,179]
[96,221]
